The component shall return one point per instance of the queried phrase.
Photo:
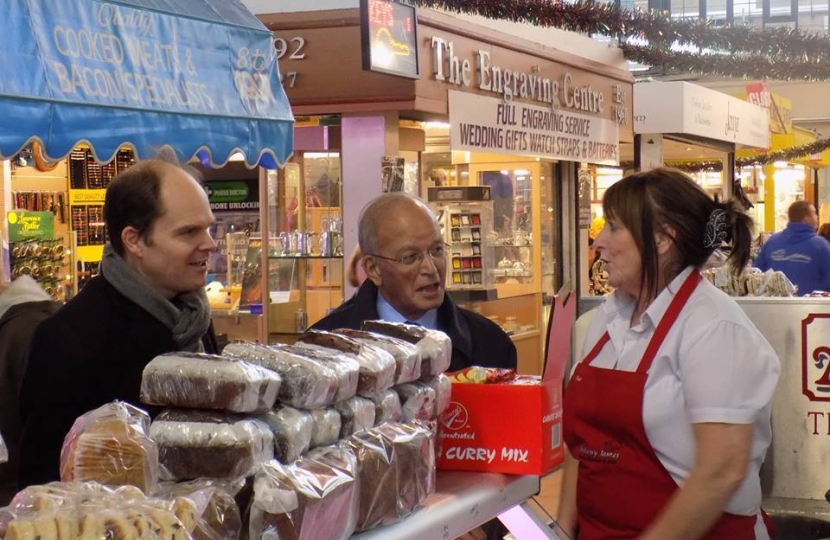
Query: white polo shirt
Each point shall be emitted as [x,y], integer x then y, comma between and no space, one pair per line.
[714,366]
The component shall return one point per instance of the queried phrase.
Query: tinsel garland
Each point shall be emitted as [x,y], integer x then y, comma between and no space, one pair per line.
[786,154]
[659,29]
[736,65]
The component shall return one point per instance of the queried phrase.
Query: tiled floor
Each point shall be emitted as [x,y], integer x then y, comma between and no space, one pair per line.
[548,497]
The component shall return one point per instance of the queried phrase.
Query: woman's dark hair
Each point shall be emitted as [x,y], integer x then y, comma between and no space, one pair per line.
[668,200]
[133,199]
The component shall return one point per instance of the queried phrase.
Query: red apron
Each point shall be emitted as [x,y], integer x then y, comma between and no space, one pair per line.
[621,484]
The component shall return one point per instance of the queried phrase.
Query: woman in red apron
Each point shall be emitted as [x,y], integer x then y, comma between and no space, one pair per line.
[667,417]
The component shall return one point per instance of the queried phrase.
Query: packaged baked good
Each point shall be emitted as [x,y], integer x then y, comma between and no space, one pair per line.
[314,498]
[327,424]
[345,366]
[217,516]
[204,381]
[111,445]
[407,356]
[415,462]
[195,444]
[442,385]
[417,401]
[387,407]
[376,479]
[292,430]
[307,383]
[356,414]
[435,346]
[377,367]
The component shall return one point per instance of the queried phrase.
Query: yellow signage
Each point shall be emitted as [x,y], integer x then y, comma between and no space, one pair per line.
[87,196]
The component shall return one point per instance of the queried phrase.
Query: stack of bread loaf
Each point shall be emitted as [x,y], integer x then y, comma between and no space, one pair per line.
[334,434]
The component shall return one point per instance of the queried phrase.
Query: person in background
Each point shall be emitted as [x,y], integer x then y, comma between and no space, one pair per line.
[405,260]
[824,231]
[355,273]
[798,252]
[149,299]
[23,305]
[667,417]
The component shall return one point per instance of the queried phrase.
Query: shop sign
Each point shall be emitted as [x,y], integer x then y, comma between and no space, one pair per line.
[233,196]
[484,124]
[26,225]
[87,196]
[780,109]
[508,83]
[681,107]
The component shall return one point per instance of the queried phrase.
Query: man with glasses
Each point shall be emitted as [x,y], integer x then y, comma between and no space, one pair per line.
[405,260]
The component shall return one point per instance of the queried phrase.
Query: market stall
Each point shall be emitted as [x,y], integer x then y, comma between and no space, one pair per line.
[92,85]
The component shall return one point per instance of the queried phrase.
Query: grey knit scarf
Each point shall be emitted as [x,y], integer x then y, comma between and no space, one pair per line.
[187,315]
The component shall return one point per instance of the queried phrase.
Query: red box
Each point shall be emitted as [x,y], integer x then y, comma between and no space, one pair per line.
[511,428]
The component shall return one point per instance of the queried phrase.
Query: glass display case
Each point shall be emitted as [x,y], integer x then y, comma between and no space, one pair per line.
[305,255]
[465,215]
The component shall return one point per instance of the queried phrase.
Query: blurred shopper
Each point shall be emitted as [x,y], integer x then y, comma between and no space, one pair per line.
[667,417]
[149,299]
[824,231]
[23,305]
[405,260]
[798,252]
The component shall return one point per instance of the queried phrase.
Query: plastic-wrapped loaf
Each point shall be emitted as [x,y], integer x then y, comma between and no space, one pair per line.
[387,407]
[195,444]
[415,463]
[377,367]
[314,498]
[435,346]
[356,414]
[417,401]
[327,425]
[111,445]
[307,384]
[407,356]
[442,385]
[376,479]
[217,516]
[345,366]
[89,510]
[205,381]
[292,431]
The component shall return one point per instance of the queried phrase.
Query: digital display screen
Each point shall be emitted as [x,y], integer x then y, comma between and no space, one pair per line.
[389,37]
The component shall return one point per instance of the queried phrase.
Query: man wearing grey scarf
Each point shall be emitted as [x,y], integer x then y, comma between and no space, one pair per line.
[149,299]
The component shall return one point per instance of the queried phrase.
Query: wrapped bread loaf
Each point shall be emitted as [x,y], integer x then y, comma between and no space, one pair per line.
[195,444]
[356,414]
[203,381]
[417,401]
[111,445]
[407,356]
[376,479]
[307,383]
[315,498]
[327,424]
[415,462]
[435,346]
[443,391]
[292,430]
[387,407]
[217,516]
[345,366]
[377,367]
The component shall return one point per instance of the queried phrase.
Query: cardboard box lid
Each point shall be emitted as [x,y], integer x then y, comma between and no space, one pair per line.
[560,327]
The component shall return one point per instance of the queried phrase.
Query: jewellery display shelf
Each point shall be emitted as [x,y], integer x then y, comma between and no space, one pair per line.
[463,501]
[465,217]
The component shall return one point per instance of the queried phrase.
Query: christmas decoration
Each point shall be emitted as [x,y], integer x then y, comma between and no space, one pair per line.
[745,50]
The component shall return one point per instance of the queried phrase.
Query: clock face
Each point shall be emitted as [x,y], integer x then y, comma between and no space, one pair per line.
[389,38]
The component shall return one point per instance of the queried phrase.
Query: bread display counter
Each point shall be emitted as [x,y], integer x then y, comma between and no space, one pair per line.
[462,501]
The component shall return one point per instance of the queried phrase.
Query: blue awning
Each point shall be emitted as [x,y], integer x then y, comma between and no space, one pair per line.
[199,76]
